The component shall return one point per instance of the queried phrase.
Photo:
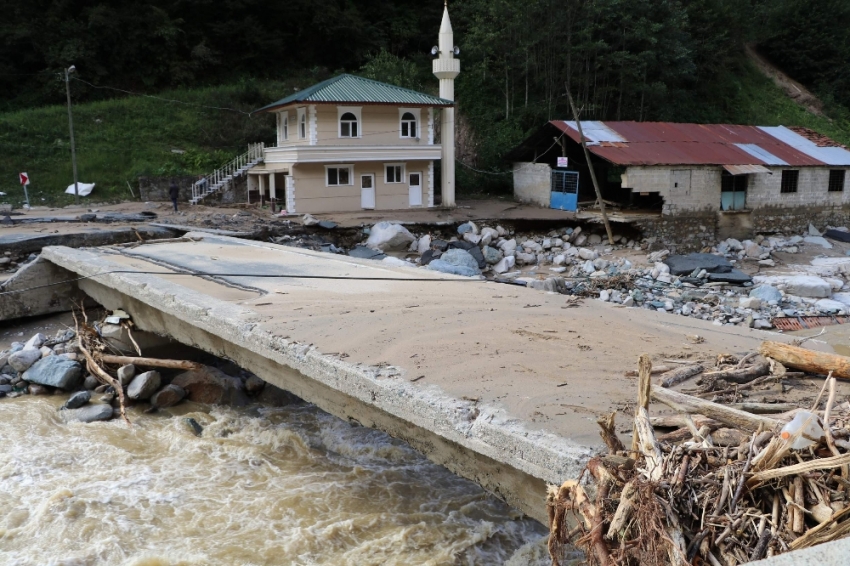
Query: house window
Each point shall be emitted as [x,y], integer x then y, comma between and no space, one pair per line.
[302,123]
[348,126]
[836,180]
[339,175]
[408,125]
[394,173]
[283,126]
[790,178]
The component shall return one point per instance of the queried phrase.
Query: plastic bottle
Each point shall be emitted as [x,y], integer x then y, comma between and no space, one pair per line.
[811,430]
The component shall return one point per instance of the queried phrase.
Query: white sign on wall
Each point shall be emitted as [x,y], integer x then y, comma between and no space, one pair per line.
[563,162]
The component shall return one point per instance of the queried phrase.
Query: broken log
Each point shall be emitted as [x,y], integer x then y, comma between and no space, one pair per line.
[150,362]
[727,415]
[655,371]
[678,375]
[743,375]
[764,408]
[678,421]
[807,360]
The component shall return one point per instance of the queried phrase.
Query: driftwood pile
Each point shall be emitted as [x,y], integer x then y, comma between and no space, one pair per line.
[726,487]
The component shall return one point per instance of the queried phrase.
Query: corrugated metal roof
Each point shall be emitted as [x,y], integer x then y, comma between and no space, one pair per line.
[350,89]
[745,169]
[670,143]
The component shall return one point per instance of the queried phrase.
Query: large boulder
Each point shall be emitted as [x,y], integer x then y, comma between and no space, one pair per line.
[388,236]
[55,371]
[23,359]
[456,262]
[210,385]
[687,264]
[818,241]
[491,255]
[89,413]
[168,396]
[800,285]
[766,293]
[77,400]
[830,305]
[144,386]
[505,264]
[472,249]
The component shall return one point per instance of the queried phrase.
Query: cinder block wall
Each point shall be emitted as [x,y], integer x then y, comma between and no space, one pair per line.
[532,183]
[683,189]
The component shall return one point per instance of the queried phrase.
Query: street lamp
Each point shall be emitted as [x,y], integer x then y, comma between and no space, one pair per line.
[68,71]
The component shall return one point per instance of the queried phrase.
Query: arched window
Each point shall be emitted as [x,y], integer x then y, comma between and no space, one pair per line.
[283,126]
[348,125]
[302,126]
[408,125]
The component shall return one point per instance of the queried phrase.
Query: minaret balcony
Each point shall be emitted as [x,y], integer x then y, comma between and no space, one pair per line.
[446,68]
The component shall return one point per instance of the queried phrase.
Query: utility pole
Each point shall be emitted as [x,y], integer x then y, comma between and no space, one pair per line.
[592,172]
[68,71]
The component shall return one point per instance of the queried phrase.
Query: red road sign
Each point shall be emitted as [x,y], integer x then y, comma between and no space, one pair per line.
[25,179]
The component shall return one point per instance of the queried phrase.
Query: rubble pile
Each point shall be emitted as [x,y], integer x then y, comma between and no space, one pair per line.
[714,285]
[736,482]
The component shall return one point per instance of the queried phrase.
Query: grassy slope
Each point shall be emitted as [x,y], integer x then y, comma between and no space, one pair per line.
[119,140]
[754,99]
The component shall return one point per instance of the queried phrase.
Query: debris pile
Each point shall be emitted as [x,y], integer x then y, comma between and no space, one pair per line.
[91,364]
[730,486]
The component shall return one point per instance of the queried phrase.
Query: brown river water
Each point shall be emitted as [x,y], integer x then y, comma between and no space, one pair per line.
[261,486]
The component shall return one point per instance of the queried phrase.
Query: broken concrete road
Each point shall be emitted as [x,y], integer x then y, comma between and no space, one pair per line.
[501,384]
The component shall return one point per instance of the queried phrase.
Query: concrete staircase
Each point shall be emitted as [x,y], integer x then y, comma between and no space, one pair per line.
[221,178]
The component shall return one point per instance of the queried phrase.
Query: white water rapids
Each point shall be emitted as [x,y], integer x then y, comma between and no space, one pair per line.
[261,486]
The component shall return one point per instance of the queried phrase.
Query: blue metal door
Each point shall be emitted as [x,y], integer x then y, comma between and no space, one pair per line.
[564,190]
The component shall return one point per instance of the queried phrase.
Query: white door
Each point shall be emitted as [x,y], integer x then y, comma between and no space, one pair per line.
[367,191]
[415,189]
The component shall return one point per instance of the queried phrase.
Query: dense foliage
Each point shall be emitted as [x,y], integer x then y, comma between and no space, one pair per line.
[621,59]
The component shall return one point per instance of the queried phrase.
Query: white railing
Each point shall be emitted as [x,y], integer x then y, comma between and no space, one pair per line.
[227,173]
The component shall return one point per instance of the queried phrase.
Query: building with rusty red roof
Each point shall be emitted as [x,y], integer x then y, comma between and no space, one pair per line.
[729,179]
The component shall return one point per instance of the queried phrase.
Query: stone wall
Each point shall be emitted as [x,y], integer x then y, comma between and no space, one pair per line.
[681,233]
[533,183]
[796,219]
[155,189]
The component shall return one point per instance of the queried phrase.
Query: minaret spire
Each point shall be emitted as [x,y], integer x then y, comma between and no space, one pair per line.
[446,68]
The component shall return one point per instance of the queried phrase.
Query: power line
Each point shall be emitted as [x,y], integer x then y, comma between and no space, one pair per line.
[162,98]
[256,275]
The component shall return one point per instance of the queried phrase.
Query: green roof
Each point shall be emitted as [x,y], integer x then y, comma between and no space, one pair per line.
[345,89]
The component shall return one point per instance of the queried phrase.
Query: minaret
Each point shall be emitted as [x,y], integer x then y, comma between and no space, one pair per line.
[446,68]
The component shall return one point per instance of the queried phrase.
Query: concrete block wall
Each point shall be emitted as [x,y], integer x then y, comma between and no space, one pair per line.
[532,183]
[764,189]
[683,189]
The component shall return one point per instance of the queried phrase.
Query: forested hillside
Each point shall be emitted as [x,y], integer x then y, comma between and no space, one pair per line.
[621,59]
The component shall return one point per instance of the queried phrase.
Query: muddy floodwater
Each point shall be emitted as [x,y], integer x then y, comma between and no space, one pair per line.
[261,486]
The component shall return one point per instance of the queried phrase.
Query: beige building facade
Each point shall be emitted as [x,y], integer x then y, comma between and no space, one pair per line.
[351,144]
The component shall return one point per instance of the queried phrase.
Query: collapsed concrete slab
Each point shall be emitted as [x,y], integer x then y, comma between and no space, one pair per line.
[22,244]
[467,372]
[59,297]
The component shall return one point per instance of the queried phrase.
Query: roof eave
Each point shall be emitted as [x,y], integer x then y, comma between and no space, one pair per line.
[276,106]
